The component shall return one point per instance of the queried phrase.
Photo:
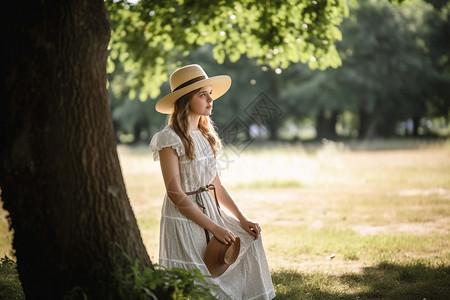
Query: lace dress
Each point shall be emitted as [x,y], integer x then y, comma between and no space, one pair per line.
[183,243]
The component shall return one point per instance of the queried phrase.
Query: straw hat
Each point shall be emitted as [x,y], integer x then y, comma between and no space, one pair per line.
[187,79]
[219,256]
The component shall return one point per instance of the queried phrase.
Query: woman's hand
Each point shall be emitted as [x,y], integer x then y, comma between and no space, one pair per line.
[251,227]
[223,235]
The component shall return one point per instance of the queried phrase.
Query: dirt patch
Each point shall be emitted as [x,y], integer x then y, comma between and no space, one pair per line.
[425,192]
[330,267]
[412,228]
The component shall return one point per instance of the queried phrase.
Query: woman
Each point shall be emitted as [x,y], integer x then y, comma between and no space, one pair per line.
[191,215]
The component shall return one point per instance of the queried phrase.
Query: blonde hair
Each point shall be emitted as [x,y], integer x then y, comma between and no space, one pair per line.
[179,122]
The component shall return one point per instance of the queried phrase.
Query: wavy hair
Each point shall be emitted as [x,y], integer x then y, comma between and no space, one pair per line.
[179,122]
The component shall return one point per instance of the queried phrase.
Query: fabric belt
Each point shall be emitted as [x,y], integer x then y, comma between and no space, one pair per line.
[200,203]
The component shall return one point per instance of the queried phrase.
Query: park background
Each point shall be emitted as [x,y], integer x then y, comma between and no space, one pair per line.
[393,81]
[346,168]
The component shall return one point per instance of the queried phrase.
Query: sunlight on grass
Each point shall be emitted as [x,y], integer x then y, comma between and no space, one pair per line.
[384,215]
[367,208]
[5,236]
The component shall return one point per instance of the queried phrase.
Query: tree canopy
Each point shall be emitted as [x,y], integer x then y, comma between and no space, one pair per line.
[149,37]
[394,67]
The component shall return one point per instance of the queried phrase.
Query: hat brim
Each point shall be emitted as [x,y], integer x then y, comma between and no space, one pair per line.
[220,85]
[219,256]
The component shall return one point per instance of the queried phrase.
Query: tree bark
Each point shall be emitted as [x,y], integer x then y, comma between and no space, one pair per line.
[60,175]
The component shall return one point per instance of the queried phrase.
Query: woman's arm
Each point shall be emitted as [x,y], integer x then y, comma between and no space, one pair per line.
[171,175]
[228,202]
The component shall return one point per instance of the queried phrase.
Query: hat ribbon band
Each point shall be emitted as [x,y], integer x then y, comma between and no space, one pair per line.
[189,82]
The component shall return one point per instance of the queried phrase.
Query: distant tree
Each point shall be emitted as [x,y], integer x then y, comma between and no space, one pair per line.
[387,73]
[437,103]
[390,65]
[59,171]
[438,4]
[414,47]
[135,121]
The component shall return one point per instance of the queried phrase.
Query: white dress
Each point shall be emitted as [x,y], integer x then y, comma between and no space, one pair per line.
[183,243]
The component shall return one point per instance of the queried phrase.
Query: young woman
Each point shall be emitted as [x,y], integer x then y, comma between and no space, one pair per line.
[191,215]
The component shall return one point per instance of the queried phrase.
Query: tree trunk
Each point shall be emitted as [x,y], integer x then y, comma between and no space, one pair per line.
[387,125]
[326,125]
[273,122]
[138,128]
[416,125]
[363,117]
[60,176]
[368,123]
[273,126]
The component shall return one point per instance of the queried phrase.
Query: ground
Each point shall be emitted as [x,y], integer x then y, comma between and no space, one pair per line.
[340,221]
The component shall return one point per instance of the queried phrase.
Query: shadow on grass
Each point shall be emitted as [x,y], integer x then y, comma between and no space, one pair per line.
[384,281]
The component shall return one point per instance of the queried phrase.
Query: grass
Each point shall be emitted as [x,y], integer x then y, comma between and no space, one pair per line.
[382,281]
[381,208]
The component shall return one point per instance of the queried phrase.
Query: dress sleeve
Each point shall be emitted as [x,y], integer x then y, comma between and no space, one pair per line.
[219,152]
[163,139]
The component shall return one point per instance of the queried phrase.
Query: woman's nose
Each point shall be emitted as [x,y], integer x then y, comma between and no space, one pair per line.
[210,99]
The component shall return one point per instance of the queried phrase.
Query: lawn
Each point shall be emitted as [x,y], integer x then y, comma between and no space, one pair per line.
[340,221]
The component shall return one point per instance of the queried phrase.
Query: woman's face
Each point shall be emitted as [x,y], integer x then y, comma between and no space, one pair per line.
[201,102]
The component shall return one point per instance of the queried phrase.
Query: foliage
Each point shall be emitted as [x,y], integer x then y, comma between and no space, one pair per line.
[132,282]
[10,287]
[387,72]
[395,64]
[150,38]
[439,43]
[160,283]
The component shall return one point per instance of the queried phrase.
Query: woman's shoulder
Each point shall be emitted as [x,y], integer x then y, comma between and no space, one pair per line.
[166,138]
[167,134]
